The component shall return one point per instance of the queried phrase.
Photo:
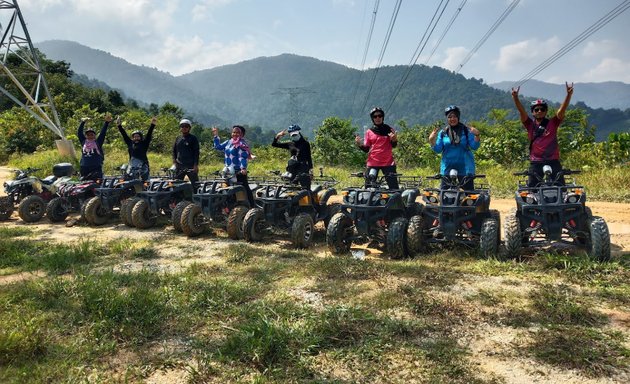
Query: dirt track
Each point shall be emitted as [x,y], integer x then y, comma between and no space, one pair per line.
[617,216]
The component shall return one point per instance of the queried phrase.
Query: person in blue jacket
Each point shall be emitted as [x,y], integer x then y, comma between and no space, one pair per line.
[92,155]
[456,142]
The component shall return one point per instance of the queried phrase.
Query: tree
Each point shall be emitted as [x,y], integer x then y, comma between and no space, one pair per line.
[334,143]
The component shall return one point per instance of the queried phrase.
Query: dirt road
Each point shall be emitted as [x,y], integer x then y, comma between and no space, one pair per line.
[617,216]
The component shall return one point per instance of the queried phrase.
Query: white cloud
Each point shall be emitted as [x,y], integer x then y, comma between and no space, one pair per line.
[609,69]
[180,56]
[601,48]
[454,57]
[200,9]
[525,55]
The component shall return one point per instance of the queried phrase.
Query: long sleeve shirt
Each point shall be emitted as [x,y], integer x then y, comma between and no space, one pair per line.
[92,150]
[235,154]
[138,150]
[186,151]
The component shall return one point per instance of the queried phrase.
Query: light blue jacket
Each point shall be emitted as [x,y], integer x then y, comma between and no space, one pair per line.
[457,156]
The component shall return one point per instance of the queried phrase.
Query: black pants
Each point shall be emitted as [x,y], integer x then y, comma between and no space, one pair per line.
[182,171]
[92,172]
[243,180]
[537,168]
[389,172]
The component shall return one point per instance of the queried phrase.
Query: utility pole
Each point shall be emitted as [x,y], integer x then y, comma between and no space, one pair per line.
[293,93]
[29,84]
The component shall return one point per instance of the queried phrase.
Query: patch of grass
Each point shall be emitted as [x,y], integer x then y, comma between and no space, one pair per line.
[446,312]
[562,305]
[10,232]
[22,338]
[61,258]
[218,295]
[347,268]
[241,253]
[128,307]
[593,352]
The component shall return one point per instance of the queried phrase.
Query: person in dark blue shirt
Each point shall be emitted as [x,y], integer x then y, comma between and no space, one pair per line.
[92,155]
[138,146]
[186,153]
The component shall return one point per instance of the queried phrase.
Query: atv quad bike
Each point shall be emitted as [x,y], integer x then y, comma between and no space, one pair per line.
[284,205]
[551,212]
[377,215]
[453,214]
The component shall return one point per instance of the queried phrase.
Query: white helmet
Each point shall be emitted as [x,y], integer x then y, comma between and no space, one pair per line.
[185,122]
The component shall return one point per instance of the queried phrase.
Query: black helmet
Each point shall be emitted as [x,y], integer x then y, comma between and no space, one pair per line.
[536,103]
[452,108]
[293,128]
[90,129]
[137,133]
[376,109]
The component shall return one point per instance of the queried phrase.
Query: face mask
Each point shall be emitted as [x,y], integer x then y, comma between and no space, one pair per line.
[295,136]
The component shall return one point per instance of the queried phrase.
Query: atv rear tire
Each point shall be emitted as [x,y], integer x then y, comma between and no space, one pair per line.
[6,208]
[252,224]
[415,236]
[235,222]
[600,239]
[56,210]
[126,208]
[397,238]
[513,235]
[176,215]
[141,216]
[333,209]
[193,223]
[94,212]
[302,231]
[32,209]
[489,238]
[339,233]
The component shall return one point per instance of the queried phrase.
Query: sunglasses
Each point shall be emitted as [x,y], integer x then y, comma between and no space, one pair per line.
[377,116]
[539,110]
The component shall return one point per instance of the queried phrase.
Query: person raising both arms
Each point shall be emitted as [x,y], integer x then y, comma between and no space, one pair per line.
[543,135]
[92,155]
[138,146]
[378,142]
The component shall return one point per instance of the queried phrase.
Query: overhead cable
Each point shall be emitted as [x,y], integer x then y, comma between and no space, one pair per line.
[485,37]
[618,10]
[365,52]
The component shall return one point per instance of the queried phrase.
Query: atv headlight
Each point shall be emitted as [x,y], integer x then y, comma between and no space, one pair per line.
[572,198]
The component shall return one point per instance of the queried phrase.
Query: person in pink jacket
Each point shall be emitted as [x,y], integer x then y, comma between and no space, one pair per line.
[378,142]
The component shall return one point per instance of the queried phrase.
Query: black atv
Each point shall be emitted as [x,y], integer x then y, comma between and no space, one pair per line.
[284,205]
[71,197]
[552,212]
[463,216]
[222,202]
[378,215]
[111,194]
[161,197]
[30,193]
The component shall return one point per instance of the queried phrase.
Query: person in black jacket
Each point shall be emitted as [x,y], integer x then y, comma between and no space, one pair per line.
[137,146]
[301,164]
[186,153]
[92,154]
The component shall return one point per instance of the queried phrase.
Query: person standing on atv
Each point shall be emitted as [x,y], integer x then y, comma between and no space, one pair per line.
[301,162]
[543,135]
[456,142]
[378,142]
[186,153]
[92,155]
[137,146]
[237,153]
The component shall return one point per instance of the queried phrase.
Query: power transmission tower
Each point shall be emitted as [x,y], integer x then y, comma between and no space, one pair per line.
[293,93]
[19,62]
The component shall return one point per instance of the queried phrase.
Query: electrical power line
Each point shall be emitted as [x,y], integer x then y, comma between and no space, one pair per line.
[421,44]
[448,27]
[392,22]
[365,52]
[618,10]
[485,37]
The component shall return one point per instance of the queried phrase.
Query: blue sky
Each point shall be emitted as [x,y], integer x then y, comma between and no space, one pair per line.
[181,36]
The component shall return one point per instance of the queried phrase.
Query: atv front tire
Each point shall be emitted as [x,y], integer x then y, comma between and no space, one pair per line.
[489,238]
[339,233]
[176,215]
[56,210]
[141,216]
[32,209]
[235,222]
[600,239]
[397,238]
[94,212]
[302,231]
[193,223]
[252,224]
[513,235]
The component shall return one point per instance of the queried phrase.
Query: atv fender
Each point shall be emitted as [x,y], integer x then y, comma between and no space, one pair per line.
[324,195]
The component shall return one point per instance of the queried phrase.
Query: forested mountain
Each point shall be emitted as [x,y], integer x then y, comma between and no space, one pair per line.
[607,95]
[272,92]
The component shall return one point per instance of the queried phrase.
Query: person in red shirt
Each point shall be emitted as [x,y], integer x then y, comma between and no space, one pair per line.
[543,135]
[378,142]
